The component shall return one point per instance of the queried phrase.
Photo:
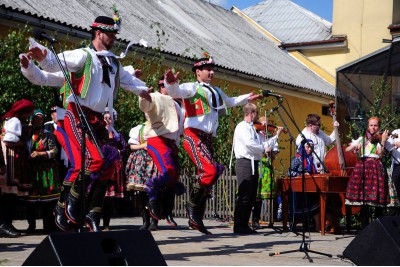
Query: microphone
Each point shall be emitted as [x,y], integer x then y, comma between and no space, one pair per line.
[272,110]
[348,118]
[41,35]
[267,93]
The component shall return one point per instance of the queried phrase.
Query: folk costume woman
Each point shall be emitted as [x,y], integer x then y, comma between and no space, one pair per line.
[267,187]
[139,168]
[14,143]
[43,173]
[15,154]
[367,184]
[304,159]
[116,184]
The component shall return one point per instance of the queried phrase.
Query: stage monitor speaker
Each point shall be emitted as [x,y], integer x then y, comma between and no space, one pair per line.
[377,244]
[114,248]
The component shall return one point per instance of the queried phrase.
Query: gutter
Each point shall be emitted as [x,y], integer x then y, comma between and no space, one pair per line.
[330,44]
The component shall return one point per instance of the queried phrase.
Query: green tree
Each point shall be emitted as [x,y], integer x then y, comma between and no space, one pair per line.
[13,85]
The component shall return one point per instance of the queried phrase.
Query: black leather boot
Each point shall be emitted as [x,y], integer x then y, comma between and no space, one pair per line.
[8,231]
[73,208]
[203,204]
[74,199]
[146,219]
[92,220]
[31,218]
[154,209]
[169,202]
[241,220]
[193,206]
[60,218]
[256,215]
[153,225]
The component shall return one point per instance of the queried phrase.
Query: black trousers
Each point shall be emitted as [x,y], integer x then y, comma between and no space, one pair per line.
[247,182]
[396,181]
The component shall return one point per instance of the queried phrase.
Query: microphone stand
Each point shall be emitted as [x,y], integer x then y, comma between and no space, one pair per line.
[85,127]
[272,180]
[303,246]
[271,224]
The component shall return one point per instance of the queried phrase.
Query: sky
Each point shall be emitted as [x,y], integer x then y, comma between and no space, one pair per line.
[322,8]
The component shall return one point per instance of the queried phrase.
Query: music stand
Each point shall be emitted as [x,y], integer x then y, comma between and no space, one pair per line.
[86,129]
[303,246]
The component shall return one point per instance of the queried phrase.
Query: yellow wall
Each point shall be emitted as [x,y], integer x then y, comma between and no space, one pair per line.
[365,23]
[316,59]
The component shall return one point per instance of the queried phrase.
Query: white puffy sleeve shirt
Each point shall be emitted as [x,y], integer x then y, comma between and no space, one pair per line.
[134,135]
[99,94]
[246,142]
[13,130]
[208,122]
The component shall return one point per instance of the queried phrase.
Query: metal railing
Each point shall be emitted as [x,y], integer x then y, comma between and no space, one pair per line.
[222,203]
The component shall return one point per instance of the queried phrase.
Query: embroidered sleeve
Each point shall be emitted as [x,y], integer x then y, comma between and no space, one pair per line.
[51,145]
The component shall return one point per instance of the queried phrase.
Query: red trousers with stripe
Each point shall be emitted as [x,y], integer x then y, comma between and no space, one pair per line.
[164,153]
[63,139]
[93,160]
[198,145]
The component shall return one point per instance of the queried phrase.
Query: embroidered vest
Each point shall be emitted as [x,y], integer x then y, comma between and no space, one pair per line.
[141,134]
[81,80]
[197,105]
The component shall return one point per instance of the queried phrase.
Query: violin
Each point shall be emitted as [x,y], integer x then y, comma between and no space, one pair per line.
[378,137]
[267,127]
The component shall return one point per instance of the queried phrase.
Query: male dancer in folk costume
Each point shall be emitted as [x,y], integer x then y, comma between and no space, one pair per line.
[166,124]
[96,75]
[203,103]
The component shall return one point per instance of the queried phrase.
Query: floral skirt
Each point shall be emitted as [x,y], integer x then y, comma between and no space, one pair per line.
[265,179]
[376,194]
[139,168]
[44,179]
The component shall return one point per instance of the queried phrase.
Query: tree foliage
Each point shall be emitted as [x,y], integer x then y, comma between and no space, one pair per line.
[381,88]
[14,86]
